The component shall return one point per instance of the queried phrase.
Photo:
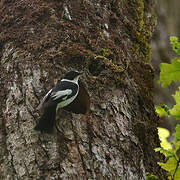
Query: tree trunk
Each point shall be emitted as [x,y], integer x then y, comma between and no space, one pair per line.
[107,40]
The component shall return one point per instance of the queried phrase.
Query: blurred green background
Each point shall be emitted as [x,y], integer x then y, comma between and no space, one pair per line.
[168,24]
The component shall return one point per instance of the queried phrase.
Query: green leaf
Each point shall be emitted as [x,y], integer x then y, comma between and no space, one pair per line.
[167,153]
[175,44]
[170,166]
[163,135]
[169,72]
[175,111]
[162,110]
[177,133]
[176,140]
[150,176]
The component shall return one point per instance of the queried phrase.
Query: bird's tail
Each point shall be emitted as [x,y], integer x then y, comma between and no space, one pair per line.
[47,120]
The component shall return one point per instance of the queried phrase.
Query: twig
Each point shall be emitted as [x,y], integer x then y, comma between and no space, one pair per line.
[177,166]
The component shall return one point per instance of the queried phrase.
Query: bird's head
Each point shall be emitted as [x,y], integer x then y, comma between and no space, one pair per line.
[73,75]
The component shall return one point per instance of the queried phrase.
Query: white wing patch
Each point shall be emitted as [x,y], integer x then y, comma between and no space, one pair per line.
[44,99]
[49,92]
[59,94]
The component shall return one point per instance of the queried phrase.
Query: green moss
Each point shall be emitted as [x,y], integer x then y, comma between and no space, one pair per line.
[103,52]
[140,29]
[143,33]
[103,67]
[140,14]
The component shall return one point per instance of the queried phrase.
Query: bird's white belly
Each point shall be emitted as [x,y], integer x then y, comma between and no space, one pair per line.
[66,102]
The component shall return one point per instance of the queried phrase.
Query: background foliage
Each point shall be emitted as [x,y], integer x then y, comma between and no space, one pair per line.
[171,72]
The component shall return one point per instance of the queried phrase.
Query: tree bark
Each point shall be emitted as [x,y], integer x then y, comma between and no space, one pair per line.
[109,41]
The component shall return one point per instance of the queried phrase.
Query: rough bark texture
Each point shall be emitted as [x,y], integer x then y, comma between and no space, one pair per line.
[109,41]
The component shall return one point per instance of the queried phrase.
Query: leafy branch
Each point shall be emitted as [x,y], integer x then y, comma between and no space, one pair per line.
[169,73]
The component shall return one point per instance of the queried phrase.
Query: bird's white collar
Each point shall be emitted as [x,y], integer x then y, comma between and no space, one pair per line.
[73,81]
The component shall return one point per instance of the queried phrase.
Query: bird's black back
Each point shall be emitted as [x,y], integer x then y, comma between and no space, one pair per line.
[64,85]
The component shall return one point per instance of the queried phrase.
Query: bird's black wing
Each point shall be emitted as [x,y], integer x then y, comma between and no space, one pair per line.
[63,91]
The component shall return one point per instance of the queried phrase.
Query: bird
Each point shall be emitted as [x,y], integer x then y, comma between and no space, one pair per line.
[60,96]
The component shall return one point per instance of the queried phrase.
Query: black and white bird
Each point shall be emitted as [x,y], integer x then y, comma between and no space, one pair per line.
[64,93]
